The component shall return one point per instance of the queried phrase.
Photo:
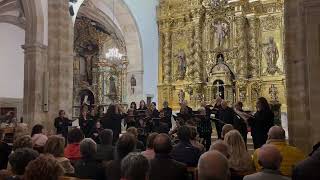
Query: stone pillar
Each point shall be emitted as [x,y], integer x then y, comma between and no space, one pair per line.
[34,67]
[60,58]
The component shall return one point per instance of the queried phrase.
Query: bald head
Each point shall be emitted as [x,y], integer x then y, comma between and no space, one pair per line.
[162,144]
[221,147]
[276,133]
[269,157]
[213,166]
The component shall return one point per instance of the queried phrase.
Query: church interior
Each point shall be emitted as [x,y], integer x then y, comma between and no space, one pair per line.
[191,72]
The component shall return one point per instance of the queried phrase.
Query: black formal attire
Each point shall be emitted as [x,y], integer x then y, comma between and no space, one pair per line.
[155,113]
[86,125]
[308,169]
[163,167]
[218,124]
[204,129]
[62,124]
[89,169]
[105,152]
[227,116]
[167,116]
[260,125]
[241,126]
[5,151]
[113,122]
[186,153]
[94,134]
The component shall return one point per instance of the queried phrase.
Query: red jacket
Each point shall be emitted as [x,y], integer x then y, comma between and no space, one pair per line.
[72,151]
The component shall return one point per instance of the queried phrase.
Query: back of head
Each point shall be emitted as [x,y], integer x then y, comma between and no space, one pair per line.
[37,129]
[276,133]
[20,159]
[235,142]
[55,146]
[88,148]
[133,131]
[162,144]
[150,140]
[106,136]
[134,167]
[193,132]
[213,166]
[269,157]
[221,147]
[184,133]
[44,167]
[22,142]
[75,135]
[125,145]
[225,129]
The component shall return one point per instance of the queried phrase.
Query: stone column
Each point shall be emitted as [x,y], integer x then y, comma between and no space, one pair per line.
[34,67]
[167,58]
[60,58]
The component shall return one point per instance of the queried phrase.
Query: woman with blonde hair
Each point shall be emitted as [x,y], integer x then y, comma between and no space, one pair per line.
[240,160]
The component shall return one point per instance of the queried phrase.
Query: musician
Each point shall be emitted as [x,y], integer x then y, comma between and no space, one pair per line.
[86,123]
[216,109]
[226,115]
[62,123]
[131,118]
[204,128]
[167,112]
[186,112]
[142,105]
[240,123]
[161,124]
[154,110]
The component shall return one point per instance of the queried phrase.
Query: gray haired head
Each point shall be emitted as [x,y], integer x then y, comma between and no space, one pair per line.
[134,167]
[88,148]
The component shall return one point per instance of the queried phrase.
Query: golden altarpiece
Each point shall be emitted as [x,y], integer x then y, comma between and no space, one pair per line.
[227,48]
[98,81]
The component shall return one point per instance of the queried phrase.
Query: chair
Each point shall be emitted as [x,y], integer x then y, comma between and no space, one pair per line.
[193,172]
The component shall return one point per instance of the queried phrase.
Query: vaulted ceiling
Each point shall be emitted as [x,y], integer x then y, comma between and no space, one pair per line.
[11,11]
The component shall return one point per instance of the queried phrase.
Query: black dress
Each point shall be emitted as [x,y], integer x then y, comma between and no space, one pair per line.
[86,125]
[113,122]
[260,125]
[168,114]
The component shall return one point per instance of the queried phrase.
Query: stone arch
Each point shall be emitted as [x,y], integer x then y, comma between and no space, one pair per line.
[126,23]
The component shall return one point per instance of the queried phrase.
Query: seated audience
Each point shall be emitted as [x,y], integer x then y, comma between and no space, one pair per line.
[124,146]
[5,151]
[24,141]
[96,131]
[240,160]
[149,153]
[269,158]
[225,129]
[19,160]
[308,168]
[163,167]
[291,155]
[55,147]
[139,144]
[194,141]
[72,151]
[222,147]
[88,167]
[213,165]
[184,151]
[45,167]
[105,150]
[38,137]
[134,167]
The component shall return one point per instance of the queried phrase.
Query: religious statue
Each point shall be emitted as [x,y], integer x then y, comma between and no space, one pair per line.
[181,96]
[221,32]
[216,3]
[133,83]
[112,88]
[272,55]
[273,91]
[182,64]
[88,52]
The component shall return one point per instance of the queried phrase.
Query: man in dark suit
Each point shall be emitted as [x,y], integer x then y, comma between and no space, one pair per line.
[163,166]
[62,123]
[167,113]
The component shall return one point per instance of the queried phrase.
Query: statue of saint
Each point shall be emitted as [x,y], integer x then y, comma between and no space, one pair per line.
[181,96]
[133,83]
[272,55]
[88,52]
[112,88]
[221,32]
[182,64]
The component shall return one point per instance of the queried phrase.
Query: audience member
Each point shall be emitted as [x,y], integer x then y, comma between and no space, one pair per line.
[269,158]
[134,167]
[308,168]
[134,132]
[5,151]
[72,151]
[38,137]
[194,141]
[149,153]
[105,150]
[225,129]
[19,160]
[124,146]
[88,167]
[213,166]
[240,160]
[55,147]
[291,155]
[163,166]
[222,147]
[45,167]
